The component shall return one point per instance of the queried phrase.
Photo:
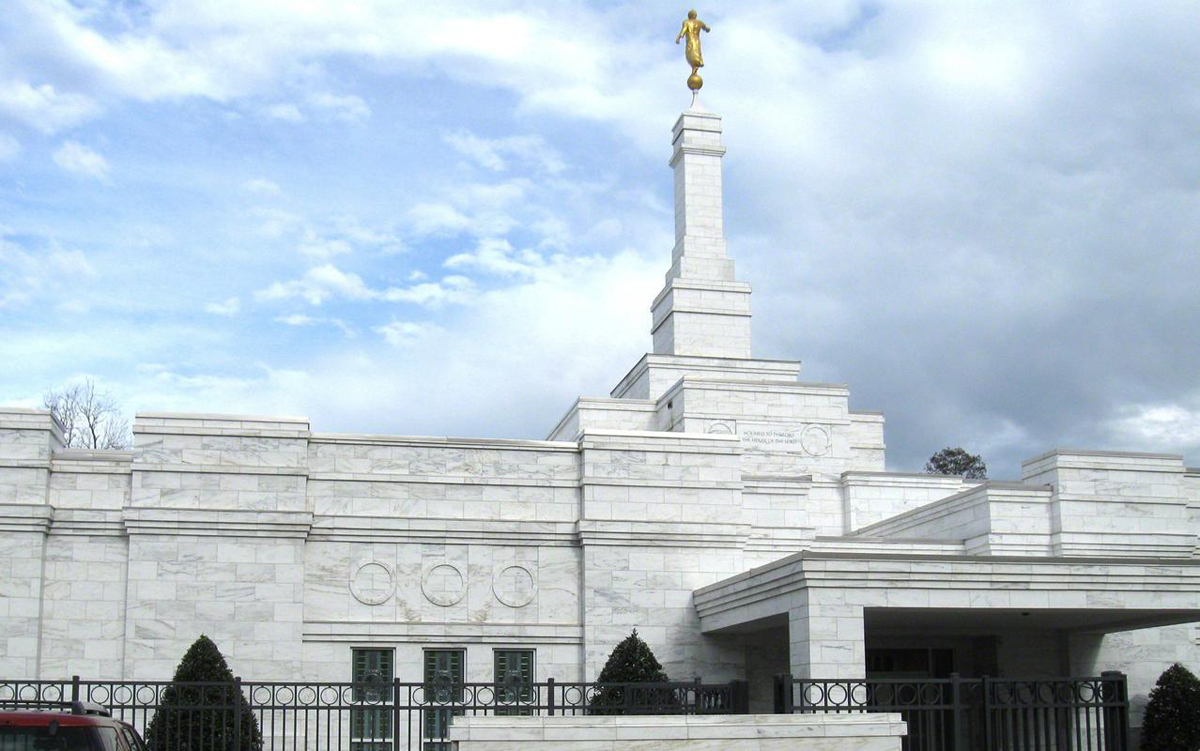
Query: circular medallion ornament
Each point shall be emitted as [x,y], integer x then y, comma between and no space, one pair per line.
[815,440]
[373,583]
[513,586]
[720,428]
[443,585]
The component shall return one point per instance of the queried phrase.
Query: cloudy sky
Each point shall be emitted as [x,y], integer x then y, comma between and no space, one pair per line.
[450,218]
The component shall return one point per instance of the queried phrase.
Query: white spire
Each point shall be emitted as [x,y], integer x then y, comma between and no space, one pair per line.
[702,310]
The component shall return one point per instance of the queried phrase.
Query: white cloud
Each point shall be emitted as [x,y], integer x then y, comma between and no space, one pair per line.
[299,319]
[405,333]
[49,274]
[493,153]
[74,157]
[436,218]
[229,307]
[72,262]
[9,147]
[318,285]
[284,111]
[1166,425]
[496,256]
[296,319]
[450,290]
[43,107]
[346,107]
[262,187]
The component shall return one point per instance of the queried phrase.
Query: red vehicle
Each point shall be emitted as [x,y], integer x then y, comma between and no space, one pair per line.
[86,727]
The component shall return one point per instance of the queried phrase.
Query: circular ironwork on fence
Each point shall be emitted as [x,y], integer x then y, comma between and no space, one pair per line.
[838,694]
[860,695]
[907,694]
[930,694]
[307,696]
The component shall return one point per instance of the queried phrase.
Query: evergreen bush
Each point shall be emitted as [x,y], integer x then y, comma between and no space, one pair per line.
[1172,719]
[631,661]
[193,717]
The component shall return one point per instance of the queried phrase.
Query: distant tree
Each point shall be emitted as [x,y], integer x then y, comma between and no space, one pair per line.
[956,461]
[631,661]
[90,419]
[1172,719]
[202,717]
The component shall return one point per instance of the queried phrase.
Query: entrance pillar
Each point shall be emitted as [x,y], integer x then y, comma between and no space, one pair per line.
[826,639]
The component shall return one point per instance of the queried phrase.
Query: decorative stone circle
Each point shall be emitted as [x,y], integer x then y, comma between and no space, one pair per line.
[513,586]
[443,585]
[372,583]
[815,440]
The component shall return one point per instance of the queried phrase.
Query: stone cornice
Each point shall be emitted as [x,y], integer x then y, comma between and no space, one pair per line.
[812,569]
[384,477]
[219,469]
[425,632]
[26,517]
[663,534]
[341,528]
[507,444]
[218,523]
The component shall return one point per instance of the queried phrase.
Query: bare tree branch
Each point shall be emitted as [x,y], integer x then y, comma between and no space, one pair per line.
[90,419]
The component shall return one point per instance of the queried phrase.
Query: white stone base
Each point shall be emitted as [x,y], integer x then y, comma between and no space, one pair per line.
[761,732]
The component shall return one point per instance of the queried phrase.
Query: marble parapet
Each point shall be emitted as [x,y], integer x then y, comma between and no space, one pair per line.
[763,732]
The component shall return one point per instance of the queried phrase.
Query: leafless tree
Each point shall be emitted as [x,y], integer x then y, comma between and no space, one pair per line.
[90,419]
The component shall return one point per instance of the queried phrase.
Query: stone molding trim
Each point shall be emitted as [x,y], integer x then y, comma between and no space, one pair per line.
[24,517]
[88,522]
[664,534]
[1058,582]
[218,523]
[436,530]
[443,632]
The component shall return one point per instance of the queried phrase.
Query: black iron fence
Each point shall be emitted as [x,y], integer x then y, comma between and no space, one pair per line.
[980,714]
[375,716]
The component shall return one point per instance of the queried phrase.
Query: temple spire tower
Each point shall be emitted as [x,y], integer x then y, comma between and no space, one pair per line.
[702,311]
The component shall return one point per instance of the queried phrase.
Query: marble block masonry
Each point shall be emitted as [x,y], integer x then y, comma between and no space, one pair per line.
[741,519]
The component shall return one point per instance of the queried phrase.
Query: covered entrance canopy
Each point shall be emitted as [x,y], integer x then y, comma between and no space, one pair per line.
[1009,614]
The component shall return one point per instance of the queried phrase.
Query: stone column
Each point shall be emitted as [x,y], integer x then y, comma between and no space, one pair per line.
[702,310]
[826,640]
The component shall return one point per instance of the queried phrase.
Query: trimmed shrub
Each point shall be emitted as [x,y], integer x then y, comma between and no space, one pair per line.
[631,661]
[191,717]
[1172,719]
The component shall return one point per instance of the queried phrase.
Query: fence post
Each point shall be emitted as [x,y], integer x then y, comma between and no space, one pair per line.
[1114,697]
[739,697]
[987,712]
[396,713]
[550,695]
[74,688]
[956,709]
[237,713]
[784,698]
[699,683]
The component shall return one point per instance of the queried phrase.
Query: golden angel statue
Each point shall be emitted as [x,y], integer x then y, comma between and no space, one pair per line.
[691,30]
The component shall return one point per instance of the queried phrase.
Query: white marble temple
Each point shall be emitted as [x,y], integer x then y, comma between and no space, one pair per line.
[741,519]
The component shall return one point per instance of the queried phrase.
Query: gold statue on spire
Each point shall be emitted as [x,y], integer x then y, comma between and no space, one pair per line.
[691,30]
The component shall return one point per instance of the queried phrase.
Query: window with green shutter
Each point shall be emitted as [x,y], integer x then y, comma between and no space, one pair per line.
[372,673]
[514,681]
[444,676]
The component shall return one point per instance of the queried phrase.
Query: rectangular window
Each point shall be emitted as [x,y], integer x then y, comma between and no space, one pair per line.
[515,692]
[445,671]
[372,675]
